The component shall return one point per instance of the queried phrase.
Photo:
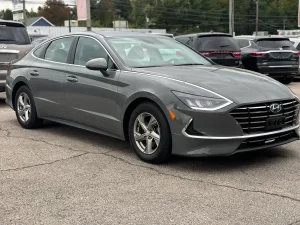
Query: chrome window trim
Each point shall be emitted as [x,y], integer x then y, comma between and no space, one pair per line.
[235,137]
[66,36]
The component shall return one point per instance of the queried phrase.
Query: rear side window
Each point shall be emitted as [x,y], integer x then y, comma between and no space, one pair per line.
[243,43]
[58,50]
[206,43]
[40,52]
[275,43]
[14,35]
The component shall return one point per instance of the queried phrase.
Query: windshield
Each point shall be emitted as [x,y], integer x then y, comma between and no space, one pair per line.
[154,51]
[207,43]
[14,35]
[275,43]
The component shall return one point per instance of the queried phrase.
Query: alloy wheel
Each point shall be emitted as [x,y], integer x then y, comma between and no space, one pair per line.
[24,107]
[147,133]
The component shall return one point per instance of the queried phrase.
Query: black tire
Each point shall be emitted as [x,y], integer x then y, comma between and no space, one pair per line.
[164,149]
[33,121]
[287,80]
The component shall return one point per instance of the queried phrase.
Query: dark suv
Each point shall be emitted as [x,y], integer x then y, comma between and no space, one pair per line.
[274,56]
[14,43]
[219,47]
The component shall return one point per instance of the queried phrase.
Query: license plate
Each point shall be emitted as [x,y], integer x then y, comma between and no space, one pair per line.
[275,123]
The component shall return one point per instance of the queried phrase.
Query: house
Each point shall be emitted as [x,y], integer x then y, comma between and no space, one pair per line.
[39,21]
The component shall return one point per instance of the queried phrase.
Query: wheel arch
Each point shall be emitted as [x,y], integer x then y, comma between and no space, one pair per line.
[136,100]
[18,83]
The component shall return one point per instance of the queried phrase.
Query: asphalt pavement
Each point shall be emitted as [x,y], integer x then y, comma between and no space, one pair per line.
[62,175]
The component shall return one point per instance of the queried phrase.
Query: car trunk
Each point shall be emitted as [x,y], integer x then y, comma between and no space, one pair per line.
[14,43]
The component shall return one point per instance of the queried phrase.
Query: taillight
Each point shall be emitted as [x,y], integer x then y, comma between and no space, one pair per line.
[258,54]
[205,53]
[297,53]
[237,54]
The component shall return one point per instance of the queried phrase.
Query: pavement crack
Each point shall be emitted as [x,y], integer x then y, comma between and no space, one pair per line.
[46,163]
[206,182]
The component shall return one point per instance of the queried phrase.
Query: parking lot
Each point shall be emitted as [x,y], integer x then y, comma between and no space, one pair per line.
[63,175]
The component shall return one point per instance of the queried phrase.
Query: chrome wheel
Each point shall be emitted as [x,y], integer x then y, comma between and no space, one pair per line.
[146,133]
[24,107]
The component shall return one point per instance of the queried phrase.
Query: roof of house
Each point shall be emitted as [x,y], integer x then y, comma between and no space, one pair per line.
[31,21]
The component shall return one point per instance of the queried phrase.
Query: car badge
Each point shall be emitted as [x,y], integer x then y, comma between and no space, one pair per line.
[275,108]
[3,46]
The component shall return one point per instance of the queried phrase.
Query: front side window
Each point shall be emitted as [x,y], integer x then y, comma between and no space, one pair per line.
[146,51]
[58,50]
[88,49]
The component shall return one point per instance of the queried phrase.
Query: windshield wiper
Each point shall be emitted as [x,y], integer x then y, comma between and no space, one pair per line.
[190,64]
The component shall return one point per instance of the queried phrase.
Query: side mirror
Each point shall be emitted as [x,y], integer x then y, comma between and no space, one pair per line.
[97,64]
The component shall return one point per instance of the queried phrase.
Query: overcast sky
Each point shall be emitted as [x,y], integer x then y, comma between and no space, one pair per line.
[31,4]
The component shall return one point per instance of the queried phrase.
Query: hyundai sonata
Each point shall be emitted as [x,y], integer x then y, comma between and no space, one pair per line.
[162,96]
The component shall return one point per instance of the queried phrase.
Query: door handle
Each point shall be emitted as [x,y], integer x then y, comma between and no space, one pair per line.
[34,73]
[72,79]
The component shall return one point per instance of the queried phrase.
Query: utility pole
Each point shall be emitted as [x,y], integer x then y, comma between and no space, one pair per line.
[24,13]
[284,21]
[257,8]
[230,16]
[88,15]
[70,13]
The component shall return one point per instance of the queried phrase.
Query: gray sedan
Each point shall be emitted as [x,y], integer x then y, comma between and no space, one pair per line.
[160,95]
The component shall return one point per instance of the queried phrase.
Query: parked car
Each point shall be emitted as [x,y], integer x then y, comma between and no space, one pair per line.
[120,84]
[14,43]
[296,43]
[219,47]
[273,56]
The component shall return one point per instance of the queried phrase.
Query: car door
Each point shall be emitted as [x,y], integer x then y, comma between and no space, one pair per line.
[91,95]
[47,78]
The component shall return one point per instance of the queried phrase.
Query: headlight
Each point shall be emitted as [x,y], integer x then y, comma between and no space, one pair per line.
[202,103]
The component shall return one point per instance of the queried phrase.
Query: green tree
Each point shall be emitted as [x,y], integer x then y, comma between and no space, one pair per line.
[7,15]
[55,11]
[124,7]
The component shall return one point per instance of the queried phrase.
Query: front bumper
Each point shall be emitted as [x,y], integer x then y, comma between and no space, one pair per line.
[218,134]
[222,146]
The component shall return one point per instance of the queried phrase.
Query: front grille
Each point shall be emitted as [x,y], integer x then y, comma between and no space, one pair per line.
[252,118]
[265,141]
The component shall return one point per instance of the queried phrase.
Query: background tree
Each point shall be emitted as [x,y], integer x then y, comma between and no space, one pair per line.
[125,8]
[7,14]
[55,11]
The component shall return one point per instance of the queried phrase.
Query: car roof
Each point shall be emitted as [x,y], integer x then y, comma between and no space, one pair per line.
[260,37]
[205,34]
[11,23]
[105,34]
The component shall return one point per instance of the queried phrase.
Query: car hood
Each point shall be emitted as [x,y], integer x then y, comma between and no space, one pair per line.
[238,85]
